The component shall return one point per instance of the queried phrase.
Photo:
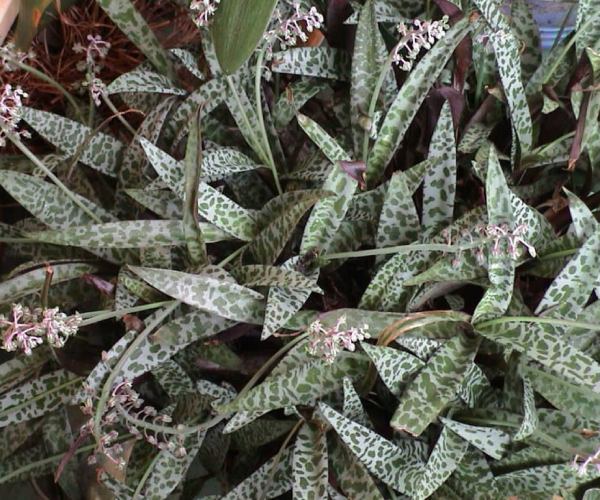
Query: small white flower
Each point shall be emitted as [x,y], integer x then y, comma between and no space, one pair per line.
[416,37]
[11,103]
[326,343]
[295,27]
[203,11]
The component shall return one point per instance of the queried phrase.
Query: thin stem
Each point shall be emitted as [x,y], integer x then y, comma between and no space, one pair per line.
[116,370]
[561,253]
[51,81]
[38,163]
[539,320]
[117,113]
[46,286]
[431,247]
[92,317]
[261,120]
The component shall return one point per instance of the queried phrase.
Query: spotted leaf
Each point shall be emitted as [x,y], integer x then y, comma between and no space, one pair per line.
[435,385]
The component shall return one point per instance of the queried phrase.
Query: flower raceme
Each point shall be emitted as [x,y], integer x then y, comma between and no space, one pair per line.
[125,400]
[96,50]
[415,37]
[27,329]
[294,27]
[203,11]
[11,102]
[326,343]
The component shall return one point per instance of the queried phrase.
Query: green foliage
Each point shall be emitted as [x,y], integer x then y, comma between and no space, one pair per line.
[307,271]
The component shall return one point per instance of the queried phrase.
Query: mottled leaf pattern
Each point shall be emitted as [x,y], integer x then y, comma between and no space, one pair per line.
[322,62]
[408,100]
[130,21]
[221,297]
[95,149]
[440,181]
[38,397]
[435,385]
[309,463]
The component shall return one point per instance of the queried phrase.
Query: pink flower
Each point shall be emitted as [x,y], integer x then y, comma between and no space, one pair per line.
[204,10]
[295,27]
[326,343]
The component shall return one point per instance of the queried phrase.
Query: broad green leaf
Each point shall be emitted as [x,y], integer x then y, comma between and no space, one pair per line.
[351,475]
[546,479]
[439,186]
[571,289]
[530,418]
[32,281]
[141,79]
[541,343]
[166,471]
[409,99]
[122,234]
[381,457]
[435,385]
[527,32]
[320,62]
[507,52]
[447,454]
[293,98]
[553,153]
[237,29]
[394,367]
[211,93]
[98,150]
[20,368]
[222,162]
[259,433]
[301,385]
[399,221]
[38,397]
[587,34]
[27,463]
[257,275]
[584,222]
[271,480]
[130,21]
[277,222]
[327,214]
[49,203]
[194,238]
[492,441]
[133,171]
[213,206]
[473,478]
[368,58]
[353,408]
[501,266]
[562,394]
[162,202]
[284,302]
[57,436]
[309,463]
[220,297]
[189,60]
